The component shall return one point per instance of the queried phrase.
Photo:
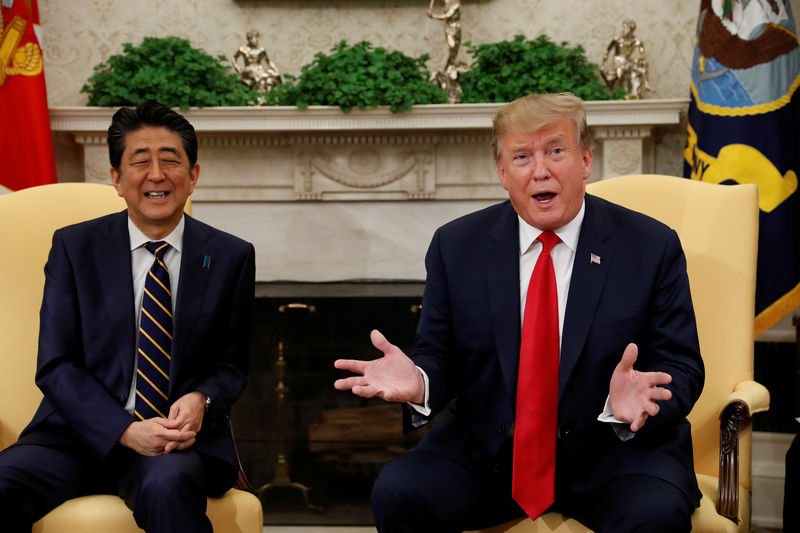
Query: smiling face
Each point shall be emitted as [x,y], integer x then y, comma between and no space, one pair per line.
[155,178]
[544,172]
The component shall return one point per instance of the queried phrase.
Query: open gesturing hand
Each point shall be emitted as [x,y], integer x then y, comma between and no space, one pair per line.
[633,394]
[392,377]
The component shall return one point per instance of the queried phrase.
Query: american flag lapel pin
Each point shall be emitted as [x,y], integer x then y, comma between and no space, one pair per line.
[594,258]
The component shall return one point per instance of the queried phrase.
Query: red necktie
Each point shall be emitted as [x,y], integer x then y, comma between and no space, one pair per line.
[533,485]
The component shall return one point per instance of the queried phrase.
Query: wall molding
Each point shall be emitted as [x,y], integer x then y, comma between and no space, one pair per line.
[769,473]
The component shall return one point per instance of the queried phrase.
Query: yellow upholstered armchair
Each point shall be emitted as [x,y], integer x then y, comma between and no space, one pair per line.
[27,221]
[718,228]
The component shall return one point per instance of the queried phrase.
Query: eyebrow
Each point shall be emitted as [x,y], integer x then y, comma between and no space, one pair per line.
[554,139]
[145,150]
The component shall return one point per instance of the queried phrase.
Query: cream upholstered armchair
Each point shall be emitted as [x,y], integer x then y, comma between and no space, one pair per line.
[718,228]
[27,221]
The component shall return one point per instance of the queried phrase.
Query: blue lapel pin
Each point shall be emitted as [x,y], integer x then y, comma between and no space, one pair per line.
[206,261]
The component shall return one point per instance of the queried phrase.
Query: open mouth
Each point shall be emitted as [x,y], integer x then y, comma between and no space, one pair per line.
[544,197]
[156,194]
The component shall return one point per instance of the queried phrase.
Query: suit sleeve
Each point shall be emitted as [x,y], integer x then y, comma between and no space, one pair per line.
[672,345]
[433,347]
[89,408]
[227,377]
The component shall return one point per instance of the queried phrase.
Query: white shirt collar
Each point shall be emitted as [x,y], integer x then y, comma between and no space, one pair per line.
[568,233]
[175,237]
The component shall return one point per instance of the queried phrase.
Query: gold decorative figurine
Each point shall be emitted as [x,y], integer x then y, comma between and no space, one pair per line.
[447,78]
[625,63]
[259,72]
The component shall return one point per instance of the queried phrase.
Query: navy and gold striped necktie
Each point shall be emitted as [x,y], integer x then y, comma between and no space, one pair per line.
[155,339]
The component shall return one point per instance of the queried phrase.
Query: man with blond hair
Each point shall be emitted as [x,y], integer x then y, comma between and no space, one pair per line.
[558,329]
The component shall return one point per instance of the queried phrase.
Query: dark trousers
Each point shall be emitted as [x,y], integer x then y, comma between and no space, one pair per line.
[459,488]
[167,493]
[791,488]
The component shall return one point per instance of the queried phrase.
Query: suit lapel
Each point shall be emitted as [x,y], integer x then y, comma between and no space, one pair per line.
[502,261]
[586,285]
[197,263]
[112,256]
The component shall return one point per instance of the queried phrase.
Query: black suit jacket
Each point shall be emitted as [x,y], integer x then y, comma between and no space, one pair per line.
[468,339]
[88,330]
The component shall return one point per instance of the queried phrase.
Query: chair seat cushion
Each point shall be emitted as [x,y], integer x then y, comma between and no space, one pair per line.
[547,523]
[236,511]
[705,517]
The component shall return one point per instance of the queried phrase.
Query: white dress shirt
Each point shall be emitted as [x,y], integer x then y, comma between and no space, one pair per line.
[563,254]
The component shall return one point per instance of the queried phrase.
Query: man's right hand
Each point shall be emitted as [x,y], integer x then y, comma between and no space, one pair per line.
[393,377]
[633,395]
[156,436]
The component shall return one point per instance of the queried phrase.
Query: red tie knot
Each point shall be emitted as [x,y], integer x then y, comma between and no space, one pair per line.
[548,240]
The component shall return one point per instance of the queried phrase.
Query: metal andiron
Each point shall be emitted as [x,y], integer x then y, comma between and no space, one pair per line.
[281,478]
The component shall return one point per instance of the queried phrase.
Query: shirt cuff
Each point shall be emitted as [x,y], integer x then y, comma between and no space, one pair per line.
[620,428]
[421,412]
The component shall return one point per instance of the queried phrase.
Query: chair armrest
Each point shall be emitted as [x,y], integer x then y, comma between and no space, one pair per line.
[747,398]
[752,394]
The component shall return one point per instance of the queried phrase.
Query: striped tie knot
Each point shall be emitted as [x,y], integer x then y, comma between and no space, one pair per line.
[154,349]
[157,248]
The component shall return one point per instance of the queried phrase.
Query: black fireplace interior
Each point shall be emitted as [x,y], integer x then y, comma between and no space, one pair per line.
[310,451]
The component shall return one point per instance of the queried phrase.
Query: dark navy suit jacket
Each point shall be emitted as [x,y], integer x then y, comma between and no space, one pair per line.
[88,330]
[468,340]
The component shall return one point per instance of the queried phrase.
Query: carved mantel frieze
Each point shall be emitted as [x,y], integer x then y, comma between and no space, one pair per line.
[384,166]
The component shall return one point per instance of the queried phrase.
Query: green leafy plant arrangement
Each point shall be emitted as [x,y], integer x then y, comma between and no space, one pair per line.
[506,70]
[360,76]
[169,71]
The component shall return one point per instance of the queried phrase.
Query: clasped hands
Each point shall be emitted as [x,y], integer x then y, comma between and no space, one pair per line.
[157,436]
[393,377]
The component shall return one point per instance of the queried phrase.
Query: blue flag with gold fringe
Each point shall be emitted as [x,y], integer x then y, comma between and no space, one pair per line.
[744,127]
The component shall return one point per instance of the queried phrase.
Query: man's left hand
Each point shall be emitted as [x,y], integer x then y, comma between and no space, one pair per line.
[633,394]
[188,411]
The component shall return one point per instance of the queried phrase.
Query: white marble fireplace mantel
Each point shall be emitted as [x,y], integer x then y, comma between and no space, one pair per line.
[328,196]
[433,152]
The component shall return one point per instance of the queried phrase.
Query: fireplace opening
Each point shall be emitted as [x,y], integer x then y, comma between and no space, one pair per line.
[311,452]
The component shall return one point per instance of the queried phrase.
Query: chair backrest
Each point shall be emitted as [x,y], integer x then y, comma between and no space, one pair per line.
[718,228]
[28,219]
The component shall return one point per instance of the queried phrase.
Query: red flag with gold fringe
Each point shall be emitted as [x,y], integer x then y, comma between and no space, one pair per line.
[26,147]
